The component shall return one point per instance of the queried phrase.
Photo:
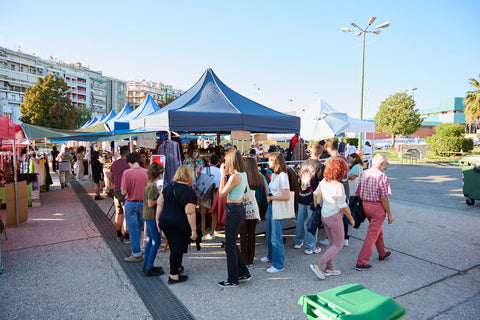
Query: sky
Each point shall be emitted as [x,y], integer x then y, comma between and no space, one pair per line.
[283,54]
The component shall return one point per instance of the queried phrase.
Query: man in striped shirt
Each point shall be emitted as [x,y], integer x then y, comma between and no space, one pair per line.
[373,187]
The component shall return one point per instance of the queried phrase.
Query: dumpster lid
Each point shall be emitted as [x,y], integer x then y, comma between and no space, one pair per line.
[471,160]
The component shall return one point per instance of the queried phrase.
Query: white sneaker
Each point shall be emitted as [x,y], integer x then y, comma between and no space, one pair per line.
[317,271]
[264,259]
[314,250]
[328,273]
[209,237]
[203,238]
[324,242]
[272,269]
[345,243]
[298,246]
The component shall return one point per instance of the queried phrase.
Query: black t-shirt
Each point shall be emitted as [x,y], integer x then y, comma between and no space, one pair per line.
[311,173]
[176,196]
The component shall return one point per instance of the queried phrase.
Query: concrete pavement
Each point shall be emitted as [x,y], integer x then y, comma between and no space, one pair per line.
[57,266]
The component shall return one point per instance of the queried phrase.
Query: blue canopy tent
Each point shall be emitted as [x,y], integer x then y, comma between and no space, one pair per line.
[110,116]
[148,106]
[99,120]
[125,110]
[90,122]
[211,106]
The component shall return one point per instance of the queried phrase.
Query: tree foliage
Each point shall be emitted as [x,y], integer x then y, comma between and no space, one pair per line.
[449,138]
[472,103]
[84,115]
[47,104]
[167,101]
[397,115]
[449,130]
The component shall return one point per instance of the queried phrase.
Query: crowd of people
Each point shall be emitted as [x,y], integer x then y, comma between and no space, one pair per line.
[331,175]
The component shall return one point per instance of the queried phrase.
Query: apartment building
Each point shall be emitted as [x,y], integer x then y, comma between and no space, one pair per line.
[87,88]
[137,91]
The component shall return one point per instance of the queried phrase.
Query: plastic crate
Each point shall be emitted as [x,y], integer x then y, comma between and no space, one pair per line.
[351,302]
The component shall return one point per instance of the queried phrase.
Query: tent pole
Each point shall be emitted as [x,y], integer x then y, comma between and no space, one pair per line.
[131,144]
[218,138]
[14,167]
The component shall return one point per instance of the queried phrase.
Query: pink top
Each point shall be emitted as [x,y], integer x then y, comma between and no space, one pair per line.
[373,185]
[118,166]
[134,181]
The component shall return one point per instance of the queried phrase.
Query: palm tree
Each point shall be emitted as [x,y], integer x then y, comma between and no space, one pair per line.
[472,104]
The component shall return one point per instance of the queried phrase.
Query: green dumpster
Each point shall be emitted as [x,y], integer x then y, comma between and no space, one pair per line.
[351,301]
[471,179]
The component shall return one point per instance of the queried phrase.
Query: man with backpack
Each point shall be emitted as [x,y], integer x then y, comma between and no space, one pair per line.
[211,185]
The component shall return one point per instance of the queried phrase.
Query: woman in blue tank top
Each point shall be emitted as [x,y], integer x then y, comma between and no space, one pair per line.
[234,189]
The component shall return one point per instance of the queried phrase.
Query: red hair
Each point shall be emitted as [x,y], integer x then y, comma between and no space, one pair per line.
[335,170]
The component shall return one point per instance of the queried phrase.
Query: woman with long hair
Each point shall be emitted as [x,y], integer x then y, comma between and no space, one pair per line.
[280,191]
[234,189]
[334,207]
[247,233]
[176,217]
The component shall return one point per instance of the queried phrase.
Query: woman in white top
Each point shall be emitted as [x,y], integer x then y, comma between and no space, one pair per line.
[350,149]
[334,207]
[280,191]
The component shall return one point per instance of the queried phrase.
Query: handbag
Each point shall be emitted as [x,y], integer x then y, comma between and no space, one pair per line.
[355,205]
[284,209]
[250,204]
[315,219]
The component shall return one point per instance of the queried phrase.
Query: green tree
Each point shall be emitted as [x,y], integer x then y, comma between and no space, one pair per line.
[397,115]
[472,104]
[168,99]
[47,104]
[84,115]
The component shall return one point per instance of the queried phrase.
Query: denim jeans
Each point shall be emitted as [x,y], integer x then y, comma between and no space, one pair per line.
[274,230]
[134,220]
[304,213]
[234,220]
[154,240]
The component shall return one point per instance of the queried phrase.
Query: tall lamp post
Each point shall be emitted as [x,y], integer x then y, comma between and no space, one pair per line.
[363,32]
[413,93]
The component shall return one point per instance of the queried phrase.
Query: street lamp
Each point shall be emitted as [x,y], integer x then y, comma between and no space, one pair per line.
[413,93]
[363,32]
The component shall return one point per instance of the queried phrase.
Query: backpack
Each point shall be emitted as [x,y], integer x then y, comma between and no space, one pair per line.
[205,186]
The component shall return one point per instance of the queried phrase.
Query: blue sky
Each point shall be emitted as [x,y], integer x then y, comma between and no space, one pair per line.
[282,54]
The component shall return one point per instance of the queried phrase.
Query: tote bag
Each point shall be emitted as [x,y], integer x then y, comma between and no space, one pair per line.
[250,204]
[284,209]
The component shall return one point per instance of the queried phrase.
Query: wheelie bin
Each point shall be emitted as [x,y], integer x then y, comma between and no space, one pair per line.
[471,179]
[351,302]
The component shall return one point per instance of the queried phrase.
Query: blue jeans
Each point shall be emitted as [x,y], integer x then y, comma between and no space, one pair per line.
[304,213]
[154,240]
[134,220]
[274,230]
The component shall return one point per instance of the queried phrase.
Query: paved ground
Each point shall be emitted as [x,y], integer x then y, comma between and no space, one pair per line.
[57,266]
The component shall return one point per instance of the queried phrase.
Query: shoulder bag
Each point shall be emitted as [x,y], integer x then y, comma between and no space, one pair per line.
[315,219]
[250,204]
[284,209]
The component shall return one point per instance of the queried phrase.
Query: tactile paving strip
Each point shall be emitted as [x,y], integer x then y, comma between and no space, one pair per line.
[156,295]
